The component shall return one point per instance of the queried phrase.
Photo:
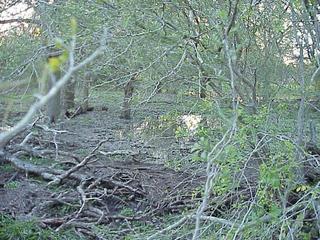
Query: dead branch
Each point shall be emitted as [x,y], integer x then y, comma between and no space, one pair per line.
[78,166]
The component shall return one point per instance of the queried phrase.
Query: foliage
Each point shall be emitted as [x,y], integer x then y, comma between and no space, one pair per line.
[276,172]
[28,230]
[12,185]
[180,50]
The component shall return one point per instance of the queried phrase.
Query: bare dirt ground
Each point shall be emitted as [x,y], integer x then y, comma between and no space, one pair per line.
[104,170]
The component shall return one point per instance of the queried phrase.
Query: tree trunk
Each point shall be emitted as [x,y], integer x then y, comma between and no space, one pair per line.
[69,95]
[203,87]
[85,85]
[128,93]
[54,104]
[300,155]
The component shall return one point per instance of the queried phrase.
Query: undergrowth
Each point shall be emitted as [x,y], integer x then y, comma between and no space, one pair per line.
[11,229]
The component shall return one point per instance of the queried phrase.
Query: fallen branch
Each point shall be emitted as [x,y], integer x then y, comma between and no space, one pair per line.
[222,221]
[54,174]
[78,166]
[44,172]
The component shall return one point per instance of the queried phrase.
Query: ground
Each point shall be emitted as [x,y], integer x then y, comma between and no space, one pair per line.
[103,177]
[134,174]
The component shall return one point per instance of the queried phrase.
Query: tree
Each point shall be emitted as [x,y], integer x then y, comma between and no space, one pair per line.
[248,69]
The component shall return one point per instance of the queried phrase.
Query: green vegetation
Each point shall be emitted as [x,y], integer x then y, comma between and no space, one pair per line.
[7,168]
[207,110]
[12,185]
[28,230]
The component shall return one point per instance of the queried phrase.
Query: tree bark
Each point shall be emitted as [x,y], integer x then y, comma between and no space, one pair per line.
[69,95]
[54,104]
[128,93]
[85,85]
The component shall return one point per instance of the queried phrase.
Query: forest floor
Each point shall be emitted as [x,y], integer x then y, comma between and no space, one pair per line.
[104,177]
[131,171]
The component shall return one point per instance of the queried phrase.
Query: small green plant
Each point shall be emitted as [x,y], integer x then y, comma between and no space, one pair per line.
[205,107]
[181,132]
[127,212]
[202,131]
[29,230]
[6,168]
[12,185]
[165,125]
[175,164]
[67,209]
[201,150]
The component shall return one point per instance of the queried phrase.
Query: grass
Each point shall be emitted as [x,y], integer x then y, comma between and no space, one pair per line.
[8,168]
[29,230]
[107,98]
[16,103]
[39,161]
[12,185]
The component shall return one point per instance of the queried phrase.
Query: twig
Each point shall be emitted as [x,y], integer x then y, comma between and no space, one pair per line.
[78,166]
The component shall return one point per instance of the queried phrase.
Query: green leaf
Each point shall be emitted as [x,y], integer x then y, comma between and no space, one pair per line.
[54,64]
[223,14]
[275,211]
